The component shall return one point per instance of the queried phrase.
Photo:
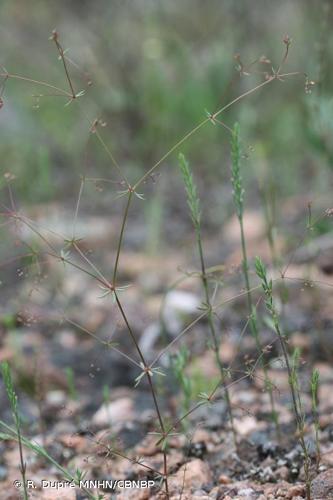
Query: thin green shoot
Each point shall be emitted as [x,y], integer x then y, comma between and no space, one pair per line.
[267,286]
[12,397]
[238,195]
[195,212]
[11,434]
[315,412]
[179,363]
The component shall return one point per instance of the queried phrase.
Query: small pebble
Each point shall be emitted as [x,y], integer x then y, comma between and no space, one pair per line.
[223,479]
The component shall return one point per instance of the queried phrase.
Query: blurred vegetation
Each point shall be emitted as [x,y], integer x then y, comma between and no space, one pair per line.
[156,67]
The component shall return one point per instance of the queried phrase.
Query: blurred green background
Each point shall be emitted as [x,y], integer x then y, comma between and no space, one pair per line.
[156,67]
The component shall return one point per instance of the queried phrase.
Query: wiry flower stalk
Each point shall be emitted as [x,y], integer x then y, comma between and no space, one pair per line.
[193,202]
[267,286]
[238,195]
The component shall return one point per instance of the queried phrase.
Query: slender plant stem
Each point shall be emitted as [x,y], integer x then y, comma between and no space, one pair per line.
[296,405]
[146,368]
[238,195]
[36,82]
[62,56]
[267,286]
[39,450]
[214,338]
[198,127]
[315,412]
[23,466]
[121,236]
[104,342]
[255,332]
[145,365]
[152,390]
[94,125]
[193,202]
[111,156]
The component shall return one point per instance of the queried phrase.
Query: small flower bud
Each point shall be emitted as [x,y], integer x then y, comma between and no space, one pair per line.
[287,40]
[54,36]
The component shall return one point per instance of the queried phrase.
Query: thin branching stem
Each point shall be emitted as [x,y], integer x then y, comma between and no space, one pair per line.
[36,82]
[121,236]
[152,389]
[55,38]
[267,286]
[147,370]
[238,195]
[193,202]
[198,127]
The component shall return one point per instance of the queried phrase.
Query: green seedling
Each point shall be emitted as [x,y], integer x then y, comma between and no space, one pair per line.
[267,286]
[193,202]
[238,195]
